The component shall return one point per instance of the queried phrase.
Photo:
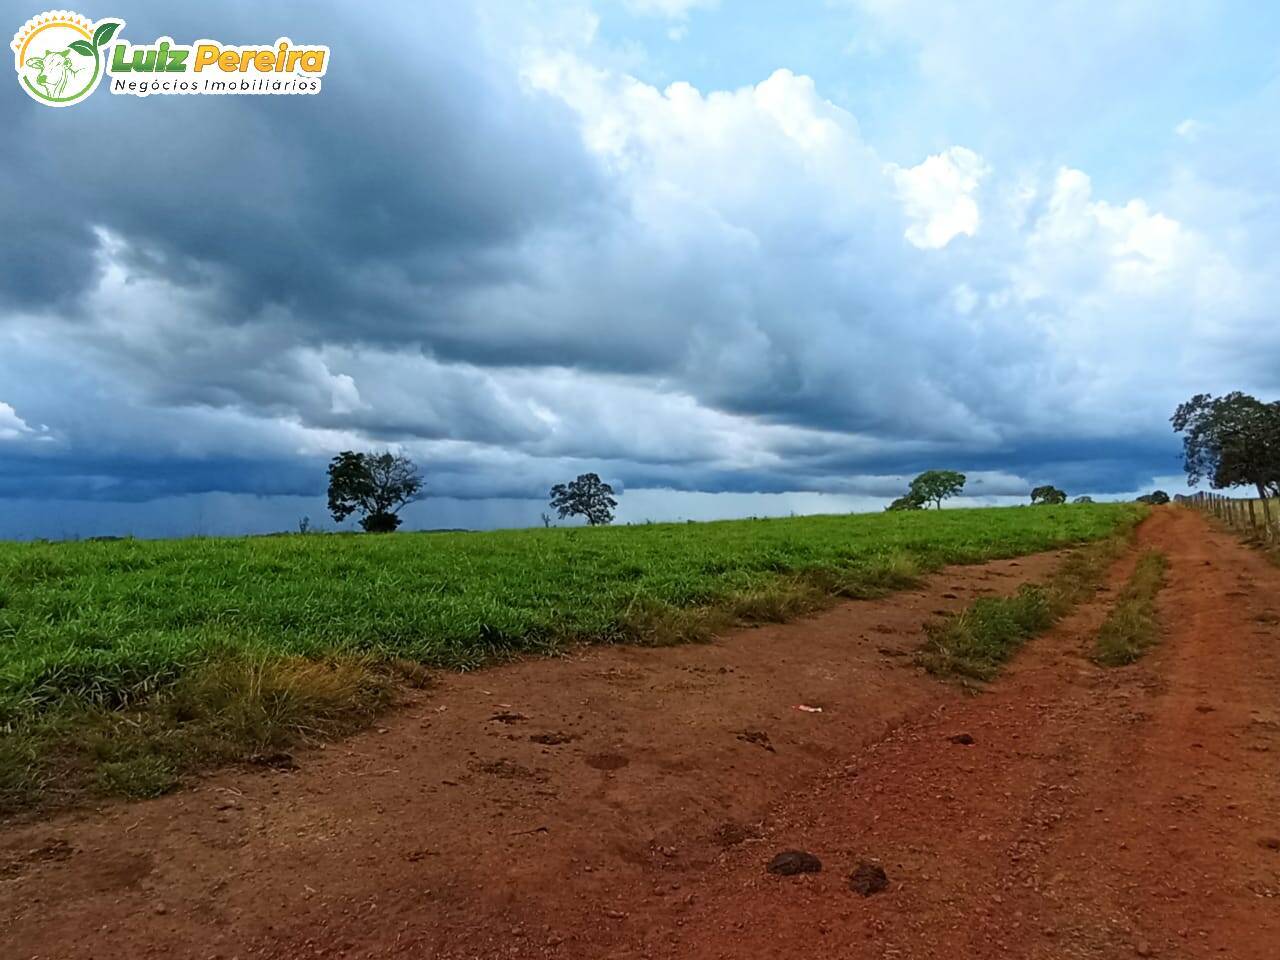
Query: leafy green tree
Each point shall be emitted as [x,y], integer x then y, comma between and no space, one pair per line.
[1083,500]
[1231,441]
[934,486]
[587,496]
[1048,494]
[375,485]
[1155,498]
[906,502]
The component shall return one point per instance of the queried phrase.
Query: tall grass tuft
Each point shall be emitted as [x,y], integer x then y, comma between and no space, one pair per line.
[225,710]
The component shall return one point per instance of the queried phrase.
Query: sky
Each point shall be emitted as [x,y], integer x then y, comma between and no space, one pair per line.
[738,258]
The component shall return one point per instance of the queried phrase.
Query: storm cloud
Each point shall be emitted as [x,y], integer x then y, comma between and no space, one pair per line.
[495,242]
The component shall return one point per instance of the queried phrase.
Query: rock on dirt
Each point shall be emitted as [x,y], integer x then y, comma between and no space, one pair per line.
[788,863]
[868,878]
[964,739]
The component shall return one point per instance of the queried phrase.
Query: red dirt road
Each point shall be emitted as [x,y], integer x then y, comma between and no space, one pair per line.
[1099,813]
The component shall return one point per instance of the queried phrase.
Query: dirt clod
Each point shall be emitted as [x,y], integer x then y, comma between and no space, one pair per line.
[868,878]
[276,760]
[53,851]
[788,863]
[607,761]
[505,769]
[730,833]
[553,739]
[758,737]
[964,739]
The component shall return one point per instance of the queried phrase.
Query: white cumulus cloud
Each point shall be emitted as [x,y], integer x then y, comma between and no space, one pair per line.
[12,426]
[938,196]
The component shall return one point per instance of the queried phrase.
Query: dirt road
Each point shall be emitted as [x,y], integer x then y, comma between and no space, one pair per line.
[623,803]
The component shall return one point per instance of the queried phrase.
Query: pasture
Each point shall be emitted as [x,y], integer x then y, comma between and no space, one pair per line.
[126,665]
[110,624]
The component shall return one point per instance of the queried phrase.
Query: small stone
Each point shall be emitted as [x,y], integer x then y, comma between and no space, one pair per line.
[1270,843]
[161,909]
[788,863]
[964,739]
[1143,949]
[868,878]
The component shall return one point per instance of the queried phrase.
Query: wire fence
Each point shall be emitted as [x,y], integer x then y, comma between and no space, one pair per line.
[1258,518]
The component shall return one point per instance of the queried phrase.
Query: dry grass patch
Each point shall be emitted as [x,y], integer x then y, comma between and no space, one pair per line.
[224,711]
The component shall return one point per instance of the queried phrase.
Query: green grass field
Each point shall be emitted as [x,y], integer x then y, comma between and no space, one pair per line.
[112,623]
[126,665]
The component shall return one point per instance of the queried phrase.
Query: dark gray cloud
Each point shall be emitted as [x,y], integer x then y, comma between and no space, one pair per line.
[517,263]
[356,208]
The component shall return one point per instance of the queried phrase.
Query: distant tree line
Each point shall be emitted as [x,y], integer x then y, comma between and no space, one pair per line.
[1231,441]
[934,486]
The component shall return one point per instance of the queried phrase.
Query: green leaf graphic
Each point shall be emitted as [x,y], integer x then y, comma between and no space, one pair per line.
[83,47]
[104,33]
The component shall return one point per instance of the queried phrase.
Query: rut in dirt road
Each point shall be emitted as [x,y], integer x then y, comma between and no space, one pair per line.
[1098,813]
